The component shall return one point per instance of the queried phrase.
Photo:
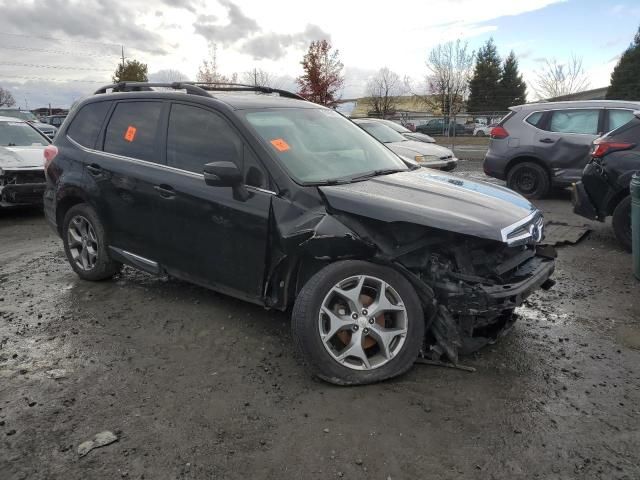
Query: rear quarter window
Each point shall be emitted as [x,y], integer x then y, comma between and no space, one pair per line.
[534,118]
[133,130]
[86,125]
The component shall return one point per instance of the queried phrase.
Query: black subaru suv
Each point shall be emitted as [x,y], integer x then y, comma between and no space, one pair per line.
[281,202]
[604,188]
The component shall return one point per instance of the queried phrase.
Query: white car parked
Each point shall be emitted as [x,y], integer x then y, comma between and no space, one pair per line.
[22,180]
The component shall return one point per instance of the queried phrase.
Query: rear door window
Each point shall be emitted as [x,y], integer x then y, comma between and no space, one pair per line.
[86,125]
[133,131]
[575,121]
[618,117]
[197,136]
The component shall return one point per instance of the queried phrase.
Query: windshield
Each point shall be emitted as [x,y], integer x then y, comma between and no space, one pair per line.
[21,114]
[20,134]
[319,145]
[382,133]
[396,126]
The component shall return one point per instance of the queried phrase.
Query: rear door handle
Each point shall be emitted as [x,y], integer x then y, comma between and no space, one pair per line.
[547,140]
[95,170]
[165,191]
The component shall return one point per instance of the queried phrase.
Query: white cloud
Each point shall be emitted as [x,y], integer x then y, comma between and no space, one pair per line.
[174,34]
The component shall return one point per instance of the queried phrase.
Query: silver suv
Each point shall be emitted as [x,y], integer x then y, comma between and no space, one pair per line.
[541,145]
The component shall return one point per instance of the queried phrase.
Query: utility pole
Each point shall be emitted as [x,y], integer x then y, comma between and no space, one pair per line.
[122,57]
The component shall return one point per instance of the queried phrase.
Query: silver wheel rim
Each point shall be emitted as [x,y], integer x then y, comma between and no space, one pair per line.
[83,243]
[362,322]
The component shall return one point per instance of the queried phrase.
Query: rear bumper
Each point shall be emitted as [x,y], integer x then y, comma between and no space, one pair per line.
[494,166]
[582,204]
[21,194]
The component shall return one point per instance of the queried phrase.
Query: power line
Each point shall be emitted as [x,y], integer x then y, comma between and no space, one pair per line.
[54,79]
[61,40]
[61,67]
[58,52]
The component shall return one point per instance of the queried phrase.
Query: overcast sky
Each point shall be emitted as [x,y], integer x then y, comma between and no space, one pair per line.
[56,51]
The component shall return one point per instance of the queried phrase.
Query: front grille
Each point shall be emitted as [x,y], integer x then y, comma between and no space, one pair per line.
[18,178]
[528,230]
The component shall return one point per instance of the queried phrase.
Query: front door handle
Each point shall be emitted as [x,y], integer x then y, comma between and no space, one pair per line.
[547,140]
[95,170]
[165,191]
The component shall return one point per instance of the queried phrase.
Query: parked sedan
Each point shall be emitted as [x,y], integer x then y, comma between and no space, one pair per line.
[604,188]
[22,180]
[404,131]
[438,126]
[425,154]
[483,130]
[49,130]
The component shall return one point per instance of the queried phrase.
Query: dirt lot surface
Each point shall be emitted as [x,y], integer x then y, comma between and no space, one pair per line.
[197,385]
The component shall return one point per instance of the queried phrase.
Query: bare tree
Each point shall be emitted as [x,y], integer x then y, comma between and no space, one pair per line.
[6,98]
[260,78]
[209,72]
[168,75]
[451,66]
[556,79]
[383,91]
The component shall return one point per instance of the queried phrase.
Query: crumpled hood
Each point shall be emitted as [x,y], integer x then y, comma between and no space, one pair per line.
[432,199]
[21,157]
[411,148]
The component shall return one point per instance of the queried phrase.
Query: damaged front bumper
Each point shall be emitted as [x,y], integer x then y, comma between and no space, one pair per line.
[21,194]
[470,314]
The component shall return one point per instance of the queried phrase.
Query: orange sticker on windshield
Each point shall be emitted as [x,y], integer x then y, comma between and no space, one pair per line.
[130,134]
[280,145]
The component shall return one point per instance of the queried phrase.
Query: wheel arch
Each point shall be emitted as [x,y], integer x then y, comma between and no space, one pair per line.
[67,199]
[615,200]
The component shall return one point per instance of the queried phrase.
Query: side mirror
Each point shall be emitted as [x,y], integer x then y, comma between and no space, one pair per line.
[222,174]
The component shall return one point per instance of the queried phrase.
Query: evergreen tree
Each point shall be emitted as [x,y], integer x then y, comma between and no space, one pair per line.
[131,71]
[625,78]
[513,89]
[484,89]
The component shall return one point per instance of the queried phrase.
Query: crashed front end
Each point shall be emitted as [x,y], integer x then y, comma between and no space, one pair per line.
[477,284]
[21,186]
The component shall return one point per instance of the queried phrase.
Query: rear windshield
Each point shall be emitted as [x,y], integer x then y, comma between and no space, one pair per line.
[317,145]
[20,134]
[21,114]
[382,133]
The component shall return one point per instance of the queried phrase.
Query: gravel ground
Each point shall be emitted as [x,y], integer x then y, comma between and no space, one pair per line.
[197,385]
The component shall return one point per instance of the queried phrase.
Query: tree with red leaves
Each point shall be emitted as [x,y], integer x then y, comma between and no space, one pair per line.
[322,78]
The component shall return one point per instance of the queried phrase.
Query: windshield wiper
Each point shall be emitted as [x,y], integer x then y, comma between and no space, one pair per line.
[375,173]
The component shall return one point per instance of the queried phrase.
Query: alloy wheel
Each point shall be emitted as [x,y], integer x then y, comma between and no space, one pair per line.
[362,322]
[83,243]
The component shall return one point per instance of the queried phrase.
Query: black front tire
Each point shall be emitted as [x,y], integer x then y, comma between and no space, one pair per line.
[621,223]
[104,267]
[529,179]
[306,332]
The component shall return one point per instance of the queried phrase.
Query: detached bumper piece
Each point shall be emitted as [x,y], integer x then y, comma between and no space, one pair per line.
[582,203]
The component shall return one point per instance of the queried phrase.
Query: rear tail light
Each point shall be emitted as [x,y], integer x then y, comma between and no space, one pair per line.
[499,132]
[50,152]
[602,146]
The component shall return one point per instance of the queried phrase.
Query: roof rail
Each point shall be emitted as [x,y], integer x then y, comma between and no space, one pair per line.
[196,88]
[243,87]
[144,86]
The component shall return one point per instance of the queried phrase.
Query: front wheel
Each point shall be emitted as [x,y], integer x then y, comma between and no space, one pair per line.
[355,323]
[621,223]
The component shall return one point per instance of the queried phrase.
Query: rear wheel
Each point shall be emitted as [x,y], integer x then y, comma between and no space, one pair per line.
[529,179]
[85,244]
[355,323]
[480,133]
[621,222]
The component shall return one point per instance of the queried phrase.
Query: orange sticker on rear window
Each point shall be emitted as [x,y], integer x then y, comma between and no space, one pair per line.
[130,134]
[280,145]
